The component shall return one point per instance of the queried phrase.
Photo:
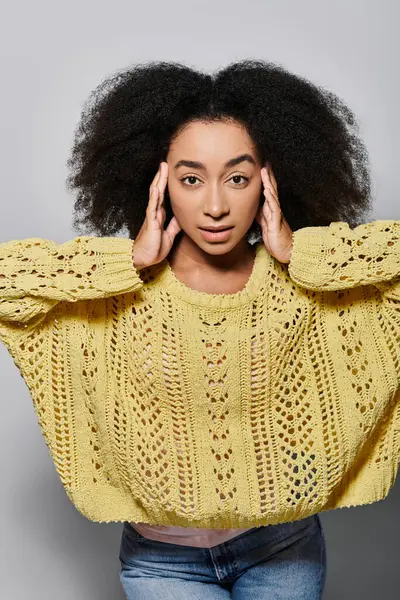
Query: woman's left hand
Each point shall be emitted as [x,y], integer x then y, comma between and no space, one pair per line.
[276,233]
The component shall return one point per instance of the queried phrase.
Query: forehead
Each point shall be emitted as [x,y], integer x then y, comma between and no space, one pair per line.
[215,141]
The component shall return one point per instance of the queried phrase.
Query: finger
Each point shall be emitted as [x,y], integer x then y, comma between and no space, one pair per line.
[173,227]
[156,176]
[264,215]
[152,197]
[162,182]
[270,182]
[156,185]
[266,180]
[271,201]
[268,214]
[272,214]
[152,207]
[273,180]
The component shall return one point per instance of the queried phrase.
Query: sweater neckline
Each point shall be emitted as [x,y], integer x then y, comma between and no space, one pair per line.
[250,290]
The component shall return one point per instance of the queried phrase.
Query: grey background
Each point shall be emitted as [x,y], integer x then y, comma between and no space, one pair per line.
[52,55]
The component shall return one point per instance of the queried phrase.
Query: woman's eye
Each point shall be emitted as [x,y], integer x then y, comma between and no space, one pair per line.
[188,177]
[246,179]
[239,177]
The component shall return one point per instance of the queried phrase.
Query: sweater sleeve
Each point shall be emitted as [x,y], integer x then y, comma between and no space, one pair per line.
[336,257]
[36,274]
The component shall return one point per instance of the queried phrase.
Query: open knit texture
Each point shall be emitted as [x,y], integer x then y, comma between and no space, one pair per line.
[169,406]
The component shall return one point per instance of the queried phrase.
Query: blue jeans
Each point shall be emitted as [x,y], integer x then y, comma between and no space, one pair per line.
[273,562]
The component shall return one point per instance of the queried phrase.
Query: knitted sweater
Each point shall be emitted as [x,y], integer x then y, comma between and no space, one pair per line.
[169,406]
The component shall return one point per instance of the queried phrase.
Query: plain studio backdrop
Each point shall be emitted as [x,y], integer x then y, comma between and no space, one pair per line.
[52,55]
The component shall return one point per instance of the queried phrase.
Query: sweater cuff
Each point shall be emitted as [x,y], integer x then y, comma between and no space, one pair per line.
[111,264]
[311,261]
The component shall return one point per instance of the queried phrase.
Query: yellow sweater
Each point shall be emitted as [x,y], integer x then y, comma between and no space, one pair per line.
[169,406]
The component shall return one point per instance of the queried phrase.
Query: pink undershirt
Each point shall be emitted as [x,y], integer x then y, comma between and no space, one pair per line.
[184,536]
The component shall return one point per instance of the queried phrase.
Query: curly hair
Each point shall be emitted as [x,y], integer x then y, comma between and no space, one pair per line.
[309,136]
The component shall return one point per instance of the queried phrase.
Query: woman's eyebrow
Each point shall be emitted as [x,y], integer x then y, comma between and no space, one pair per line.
[231,163]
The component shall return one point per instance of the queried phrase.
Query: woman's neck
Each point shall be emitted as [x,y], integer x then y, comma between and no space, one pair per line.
[187,256]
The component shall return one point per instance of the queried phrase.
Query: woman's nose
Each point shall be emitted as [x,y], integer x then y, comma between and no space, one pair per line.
[215,203]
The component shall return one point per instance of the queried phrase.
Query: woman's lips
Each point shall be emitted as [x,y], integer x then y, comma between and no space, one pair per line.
[216,236]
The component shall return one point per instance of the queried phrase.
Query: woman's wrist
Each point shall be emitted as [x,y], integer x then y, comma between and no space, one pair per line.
[137,264]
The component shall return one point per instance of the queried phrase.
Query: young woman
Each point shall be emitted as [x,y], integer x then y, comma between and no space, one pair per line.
[212,391]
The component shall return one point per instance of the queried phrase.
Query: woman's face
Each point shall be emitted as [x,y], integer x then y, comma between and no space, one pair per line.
[214,179]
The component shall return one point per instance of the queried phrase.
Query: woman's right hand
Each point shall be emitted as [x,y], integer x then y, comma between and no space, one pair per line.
[153,242]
